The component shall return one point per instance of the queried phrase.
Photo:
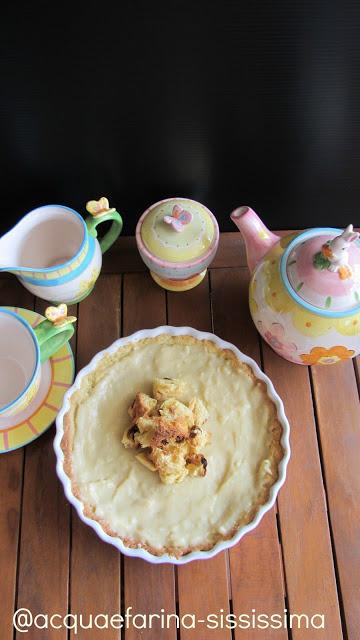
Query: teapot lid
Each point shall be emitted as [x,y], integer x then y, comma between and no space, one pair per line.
[321,271]
[178,230]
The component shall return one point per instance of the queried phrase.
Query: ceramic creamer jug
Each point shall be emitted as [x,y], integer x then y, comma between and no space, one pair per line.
[55,253]
[304,290]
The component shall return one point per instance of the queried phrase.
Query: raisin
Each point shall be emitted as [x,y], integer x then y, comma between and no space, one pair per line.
[194,431]
[164,442]
[180,438]
[131,433]
[204,462]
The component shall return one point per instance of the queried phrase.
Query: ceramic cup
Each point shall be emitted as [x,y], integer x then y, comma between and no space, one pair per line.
[22,351]
[55,253]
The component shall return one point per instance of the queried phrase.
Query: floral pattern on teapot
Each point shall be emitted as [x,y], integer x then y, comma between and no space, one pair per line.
[291,330]
[297,330]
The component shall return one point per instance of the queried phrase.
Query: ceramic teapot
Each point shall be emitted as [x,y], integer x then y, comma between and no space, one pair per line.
[304,290]
[55,253]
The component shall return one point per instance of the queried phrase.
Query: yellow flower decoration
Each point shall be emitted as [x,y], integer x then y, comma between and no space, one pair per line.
[312,325]
[280,301]
[99,207]
[285,240]
[87,285]
[349,326]
[58,315]
[320,355]
[254,307]
[276,295]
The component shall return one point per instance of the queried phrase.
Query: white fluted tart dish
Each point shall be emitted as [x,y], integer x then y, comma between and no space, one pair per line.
[179,505]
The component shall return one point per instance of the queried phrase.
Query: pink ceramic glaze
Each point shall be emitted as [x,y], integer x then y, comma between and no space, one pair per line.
[258,239]
[327,282]
[304,290]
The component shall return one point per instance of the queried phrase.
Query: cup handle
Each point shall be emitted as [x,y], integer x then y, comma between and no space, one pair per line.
[51,337]
[113,233]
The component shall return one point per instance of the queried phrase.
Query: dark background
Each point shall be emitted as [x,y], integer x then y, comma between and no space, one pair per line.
[235,102]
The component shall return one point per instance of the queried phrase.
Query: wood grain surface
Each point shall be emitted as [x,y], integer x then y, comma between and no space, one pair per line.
[95,566]
[11,483]
[308,560]
[338,415]
[200,593]
[147,588]
[303,558]
[255,563]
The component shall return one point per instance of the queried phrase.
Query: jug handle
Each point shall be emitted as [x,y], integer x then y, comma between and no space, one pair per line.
[111,235]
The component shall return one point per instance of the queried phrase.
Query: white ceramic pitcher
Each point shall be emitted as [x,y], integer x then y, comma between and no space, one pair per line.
[55,253]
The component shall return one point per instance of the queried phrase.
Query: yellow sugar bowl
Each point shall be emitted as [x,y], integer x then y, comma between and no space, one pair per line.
[177,239]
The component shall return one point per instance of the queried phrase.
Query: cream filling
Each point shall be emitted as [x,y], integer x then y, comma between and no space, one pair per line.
[130,498]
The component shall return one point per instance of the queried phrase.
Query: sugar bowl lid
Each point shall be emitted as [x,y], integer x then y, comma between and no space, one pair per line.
[178,230]
[321,270]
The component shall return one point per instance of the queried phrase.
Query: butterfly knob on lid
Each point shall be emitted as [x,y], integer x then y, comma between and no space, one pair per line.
[99,207]
[179,218]
[58,315]
[177,239]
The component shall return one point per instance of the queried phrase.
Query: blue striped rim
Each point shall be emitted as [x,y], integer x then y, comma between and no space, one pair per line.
[283,272]
[37,359]
[68,276]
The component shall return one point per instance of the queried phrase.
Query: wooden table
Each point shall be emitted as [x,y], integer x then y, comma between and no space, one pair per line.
[304,556]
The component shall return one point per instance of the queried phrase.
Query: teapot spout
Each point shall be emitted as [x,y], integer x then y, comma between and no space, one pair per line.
[258,239]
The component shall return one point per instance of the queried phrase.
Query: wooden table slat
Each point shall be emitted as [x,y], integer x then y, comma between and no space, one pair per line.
[202,586]
[44,548]
[148,588]
[357,371]
[338,414]
[255,563]
[95,565]
[309,568]
[11,481]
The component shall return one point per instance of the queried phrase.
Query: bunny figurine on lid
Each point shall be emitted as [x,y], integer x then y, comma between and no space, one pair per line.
[334,254]
[304,290]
